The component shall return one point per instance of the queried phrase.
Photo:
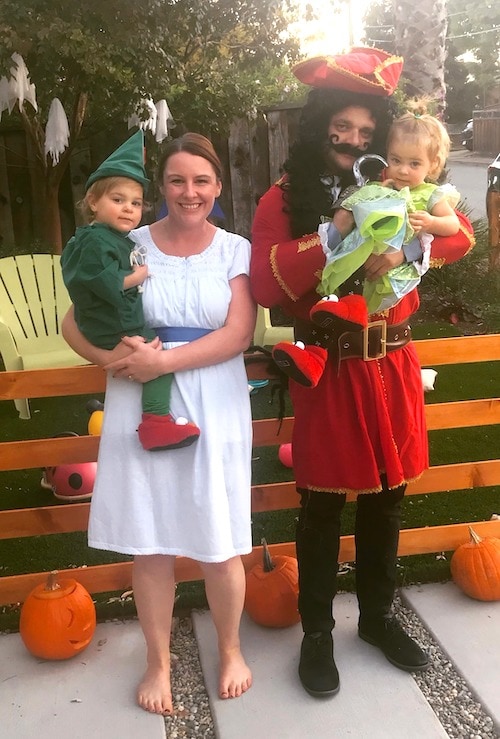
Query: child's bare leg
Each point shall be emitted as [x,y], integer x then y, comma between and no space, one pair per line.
[225,588]
[154,588]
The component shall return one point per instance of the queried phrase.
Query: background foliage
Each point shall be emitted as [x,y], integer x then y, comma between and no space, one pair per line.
[472,65]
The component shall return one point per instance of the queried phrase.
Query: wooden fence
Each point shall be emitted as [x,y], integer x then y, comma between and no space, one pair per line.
[63,518]
[487,132]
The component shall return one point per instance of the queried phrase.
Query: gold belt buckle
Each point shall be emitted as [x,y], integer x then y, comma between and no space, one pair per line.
[383,341]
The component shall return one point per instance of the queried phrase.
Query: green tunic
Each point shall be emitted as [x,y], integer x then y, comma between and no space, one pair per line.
[95,262]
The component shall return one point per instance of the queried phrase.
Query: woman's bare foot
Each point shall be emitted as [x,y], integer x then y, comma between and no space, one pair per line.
[235,675]
[154,693]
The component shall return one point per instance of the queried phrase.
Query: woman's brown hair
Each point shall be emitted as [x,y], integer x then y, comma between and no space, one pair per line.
[192,143]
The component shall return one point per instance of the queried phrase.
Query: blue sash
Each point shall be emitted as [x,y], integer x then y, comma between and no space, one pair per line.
[180,333]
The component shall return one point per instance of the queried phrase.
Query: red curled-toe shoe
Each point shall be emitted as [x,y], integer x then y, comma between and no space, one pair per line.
[347,314]
[304,364]
[163,432]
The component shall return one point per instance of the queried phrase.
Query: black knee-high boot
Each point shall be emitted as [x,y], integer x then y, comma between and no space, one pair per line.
[317,539]
[378,518]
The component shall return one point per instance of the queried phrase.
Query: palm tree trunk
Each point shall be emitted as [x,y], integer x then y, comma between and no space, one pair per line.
[420,38]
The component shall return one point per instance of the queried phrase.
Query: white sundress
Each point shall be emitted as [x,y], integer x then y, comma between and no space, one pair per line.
[193,501]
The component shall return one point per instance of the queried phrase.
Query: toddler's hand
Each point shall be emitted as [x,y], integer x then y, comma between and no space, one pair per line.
[140,273]
[420,220]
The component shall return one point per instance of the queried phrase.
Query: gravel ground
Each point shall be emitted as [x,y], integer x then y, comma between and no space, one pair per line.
[449,696]
[445,690]
[192,717]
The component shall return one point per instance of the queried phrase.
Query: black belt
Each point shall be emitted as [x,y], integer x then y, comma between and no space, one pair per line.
[373,342]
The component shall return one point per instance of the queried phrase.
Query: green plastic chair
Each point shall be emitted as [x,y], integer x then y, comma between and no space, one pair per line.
[33,302]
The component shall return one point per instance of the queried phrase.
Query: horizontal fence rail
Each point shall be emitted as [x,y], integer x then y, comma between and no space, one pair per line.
[66,518]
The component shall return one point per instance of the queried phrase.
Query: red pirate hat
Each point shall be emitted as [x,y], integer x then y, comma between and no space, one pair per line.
[363,69]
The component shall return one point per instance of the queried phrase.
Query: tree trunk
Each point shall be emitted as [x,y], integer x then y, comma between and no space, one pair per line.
[48,177]
[420,38]
[51,227]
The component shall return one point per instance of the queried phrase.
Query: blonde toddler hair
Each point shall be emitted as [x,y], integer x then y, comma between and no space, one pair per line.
[425,131]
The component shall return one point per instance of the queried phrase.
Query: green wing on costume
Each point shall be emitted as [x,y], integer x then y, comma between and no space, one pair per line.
[380,214]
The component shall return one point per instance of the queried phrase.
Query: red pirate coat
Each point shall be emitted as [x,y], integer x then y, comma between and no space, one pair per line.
[364,418]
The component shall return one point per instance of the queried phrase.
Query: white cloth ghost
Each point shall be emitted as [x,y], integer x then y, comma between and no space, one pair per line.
[56,131]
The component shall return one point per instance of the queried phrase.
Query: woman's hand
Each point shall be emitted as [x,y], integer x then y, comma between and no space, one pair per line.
[142,363]
[377,265]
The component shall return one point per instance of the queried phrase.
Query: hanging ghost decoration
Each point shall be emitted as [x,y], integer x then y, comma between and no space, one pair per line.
[56,131]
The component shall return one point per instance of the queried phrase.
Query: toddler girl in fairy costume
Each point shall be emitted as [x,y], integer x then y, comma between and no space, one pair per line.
[387,215]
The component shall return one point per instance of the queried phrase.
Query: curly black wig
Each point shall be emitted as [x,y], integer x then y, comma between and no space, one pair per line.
[306,197]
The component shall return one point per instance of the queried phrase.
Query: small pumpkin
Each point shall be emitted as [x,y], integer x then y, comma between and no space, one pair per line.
[475,567]
[58,619]
[272,590]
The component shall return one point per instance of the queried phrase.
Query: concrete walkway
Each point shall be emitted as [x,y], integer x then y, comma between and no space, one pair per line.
[376,701]
[92,696]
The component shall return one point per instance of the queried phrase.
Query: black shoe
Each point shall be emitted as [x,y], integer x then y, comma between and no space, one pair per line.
[317,670]
[399,648]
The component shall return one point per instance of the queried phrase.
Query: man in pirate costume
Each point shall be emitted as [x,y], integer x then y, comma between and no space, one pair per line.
[361,431]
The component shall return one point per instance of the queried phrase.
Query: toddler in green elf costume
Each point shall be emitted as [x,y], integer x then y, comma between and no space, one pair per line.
[104,276]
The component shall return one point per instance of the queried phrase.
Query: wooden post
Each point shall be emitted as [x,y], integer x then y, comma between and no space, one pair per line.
[493,211]
[239,157]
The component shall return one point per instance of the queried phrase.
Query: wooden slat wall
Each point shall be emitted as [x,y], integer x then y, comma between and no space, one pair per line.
[267,432]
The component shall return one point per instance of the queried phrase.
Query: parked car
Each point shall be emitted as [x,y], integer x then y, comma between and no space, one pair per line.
[468,135]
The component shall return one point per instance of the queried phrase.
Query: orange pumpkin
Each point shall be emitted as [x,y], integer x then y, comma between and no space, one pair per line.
[272,590]
[58,619]
[475,567]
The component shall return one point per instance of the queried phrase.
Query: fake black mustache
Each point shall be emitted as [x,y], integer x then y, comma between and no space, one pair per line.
[352,151]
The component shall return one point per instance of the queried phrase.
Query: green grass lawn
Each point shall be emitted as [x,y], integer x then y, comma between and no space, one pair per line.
[21,489]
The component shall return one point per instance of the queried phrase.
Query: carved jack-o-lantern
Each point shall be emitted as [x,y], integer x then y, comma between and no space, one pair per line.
[58,619]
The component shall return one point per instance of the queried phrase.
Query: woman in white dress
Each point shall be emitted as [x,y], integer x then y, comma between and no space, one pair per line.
[192,501]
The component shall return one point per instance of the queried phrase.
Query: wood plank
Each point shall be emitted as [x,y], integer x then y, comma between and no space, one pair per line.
[455,414]
[259,158]
[96,579]
[278,142]
[118,576]
[90,379]
[48,383]
[56,519]
[458,350]
[241,183]
[461,476]
[437,479]
[21,455]
[462,414]
[267,431]
[443,538]
[266,497]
